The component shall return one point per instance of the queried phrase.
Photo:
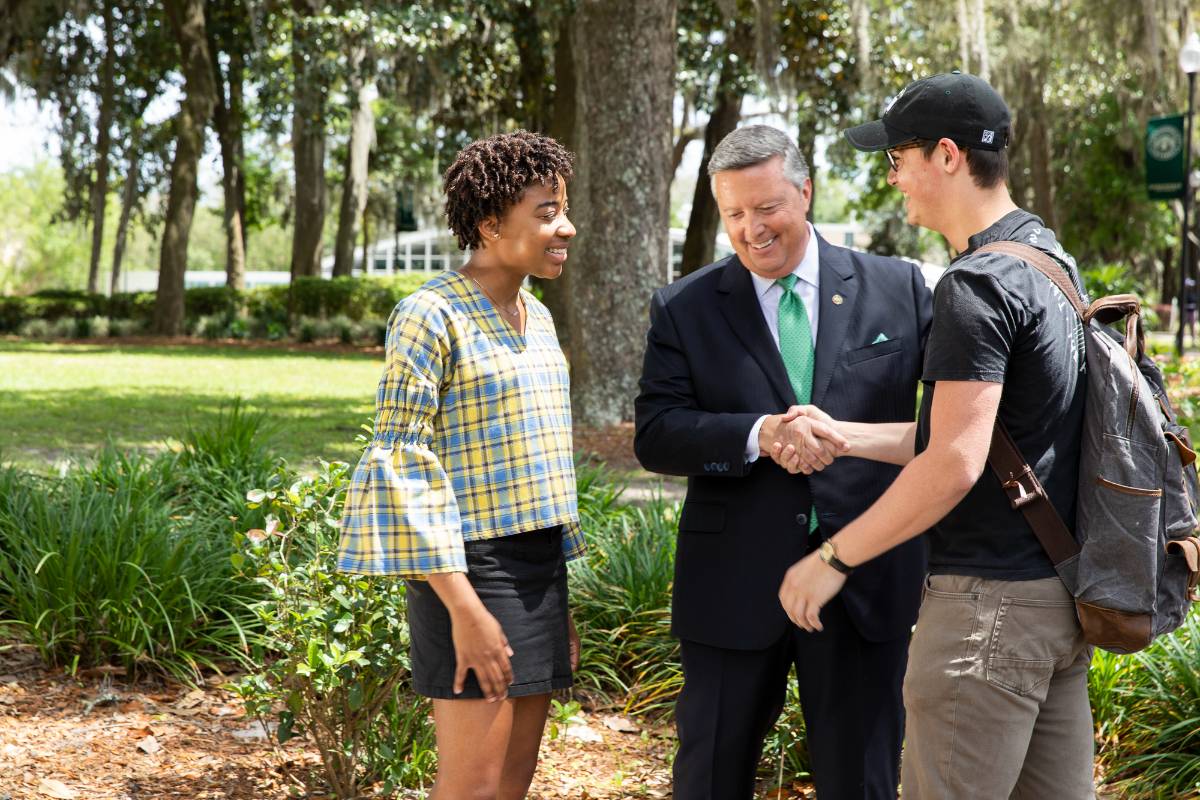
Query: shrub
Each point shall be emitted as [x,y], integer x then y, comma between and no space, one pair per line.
[121,328]
[343,328]
[64,328]
[35,329]
[1151,742]
[310,329]
[127,559]
[371,331]
[203,301]
[341,664]
[621,596]
[92,327]
[137,306]
[211,326]
[1106,279]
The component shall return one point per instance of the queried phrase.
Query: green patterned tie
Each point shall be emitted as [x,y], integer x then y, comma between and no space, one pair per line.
[795,340]
[796,347]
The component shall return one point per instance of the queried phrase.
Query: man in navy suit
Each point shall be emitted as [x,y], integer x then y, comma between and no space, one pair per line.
[731,348]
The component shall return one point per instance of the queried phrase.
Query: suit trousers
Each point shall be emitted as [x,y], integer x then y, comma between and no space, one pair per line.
[997,693]
[850,695]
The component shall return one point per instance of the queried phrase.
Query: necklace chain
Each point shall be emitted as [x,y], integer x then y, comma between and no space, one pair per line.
[515,312]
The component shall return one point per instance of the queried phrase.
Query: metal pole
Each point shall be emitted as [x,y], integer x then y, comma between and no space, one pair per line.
[1184,246]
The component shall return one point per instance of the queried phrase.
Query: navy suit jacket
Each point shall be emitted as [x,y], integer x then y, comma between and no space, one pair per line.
[711,370]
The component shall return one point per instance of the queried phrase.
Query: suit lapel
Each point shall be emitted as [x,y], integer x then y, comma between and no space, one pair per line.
[838,278]
[739,304]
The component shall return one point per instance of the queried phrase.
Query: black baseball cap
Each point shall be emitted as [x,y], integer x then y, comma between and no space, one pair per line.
[953,105]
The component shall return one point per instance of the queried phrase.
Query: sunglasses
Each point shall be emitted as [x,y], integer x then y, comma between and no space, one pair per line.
[892,159]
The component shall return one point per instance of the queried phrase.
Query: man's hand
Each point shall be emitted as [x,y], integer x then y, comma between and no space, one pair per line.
[809,584]
[808,442]
[480,644]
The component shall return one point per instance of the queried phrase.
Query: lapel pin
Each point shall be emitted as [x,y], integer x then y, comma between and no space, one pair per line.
[838,299]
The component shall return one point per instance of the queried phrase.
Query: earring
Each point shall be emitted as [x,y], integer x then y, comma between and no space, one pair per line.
[495,236]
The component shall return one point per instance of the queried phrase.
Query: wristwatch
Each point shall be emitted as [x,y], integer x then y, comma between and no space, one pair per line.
[828,553]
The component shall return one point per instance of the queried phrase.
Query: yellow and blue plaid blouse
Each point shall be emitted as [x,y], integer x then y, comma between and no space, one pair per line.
[472,436]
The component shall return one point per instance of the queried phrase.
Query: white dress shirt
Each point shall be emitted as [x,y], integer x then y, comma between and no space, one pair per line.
[769,294]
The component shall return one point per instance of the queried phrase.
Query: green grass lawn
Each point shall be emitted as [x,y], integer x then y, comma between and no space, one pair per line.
[64,400]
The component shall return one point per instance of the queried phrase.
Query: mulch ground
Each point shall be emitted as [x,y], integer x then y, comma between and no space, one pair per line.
[96,736]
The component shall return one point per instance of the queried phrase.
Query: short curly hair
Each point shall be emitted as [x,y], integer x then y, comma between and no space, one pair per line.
[489,176]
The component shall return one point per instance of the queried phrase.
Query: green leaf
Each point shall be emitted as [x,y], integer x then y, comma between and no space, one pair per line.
[287,722]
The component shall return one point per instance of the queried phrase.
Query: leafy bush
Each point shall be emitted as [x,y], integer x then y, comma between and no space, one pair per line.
[313,329]
[1106,279]
[121,328]
[371,331]
[212,326]
[35,329]
[64,328]
[217,312]
[1148,714]
[127,559]
[340,668]
[92,327]
[621,596]
[343,328]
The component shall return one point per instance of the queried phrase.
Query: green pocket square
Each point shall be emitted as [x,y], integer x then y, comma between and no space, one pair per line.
[880,338]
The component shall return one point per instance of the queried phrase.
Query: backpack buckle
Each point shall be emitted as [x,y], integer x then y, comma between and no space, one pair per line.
[1021,490]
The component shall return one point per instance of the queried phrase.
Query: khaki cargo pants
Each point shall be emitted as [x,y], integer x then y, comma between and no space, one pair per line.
[996,694]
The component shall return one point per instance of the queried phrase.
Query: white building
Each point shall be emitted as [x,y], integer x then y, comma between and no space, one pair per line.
[433,251]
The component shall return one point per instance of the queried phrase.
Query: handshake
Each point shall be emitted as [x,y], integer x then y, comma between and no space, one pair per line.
[803,440]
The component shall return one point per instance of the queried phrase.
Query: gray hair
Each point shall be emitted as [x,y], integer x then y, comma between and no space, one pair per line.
[754,144]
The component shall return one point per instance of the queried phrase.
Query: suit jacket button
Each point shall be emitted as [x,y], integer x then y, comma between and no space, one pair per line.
[802,519]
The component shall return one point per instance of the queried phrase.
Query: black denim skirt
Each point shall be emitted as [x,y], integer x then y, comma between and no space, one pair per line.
[522,581]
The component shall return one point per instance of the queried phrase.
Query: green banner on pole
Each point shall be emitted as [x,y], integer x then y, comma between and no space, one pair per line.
[1164,157]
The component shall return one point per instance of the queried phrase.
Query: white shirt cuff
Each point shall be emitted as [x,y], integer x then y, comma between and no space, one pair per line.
[752,450]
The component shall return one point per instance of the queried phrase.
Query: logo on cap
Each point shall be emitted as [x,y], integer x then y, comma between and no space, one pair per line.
[988,136]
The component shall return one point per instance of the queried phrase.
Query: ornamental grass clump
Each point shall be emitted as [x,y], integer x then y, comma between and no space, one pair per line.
[126,558]
[1151,747]
[621,597]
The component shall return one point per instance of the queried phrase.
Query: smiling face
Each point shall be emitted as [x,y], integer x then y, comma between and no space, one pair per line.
[916,177]
[764,215]
[533,235]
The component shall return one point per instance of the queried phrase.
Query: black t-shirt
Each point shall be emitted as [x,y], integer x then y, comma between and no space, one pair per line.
[999,320]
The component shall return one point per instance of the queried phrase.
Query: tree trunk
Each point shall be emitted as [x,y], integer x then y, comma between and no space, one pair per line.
[620,197]
[527,35]
[187,24]
[705,218]
[227,117]
[964,36]
[555,293]
[1041,158]
[308,144]
[128,200]
[366,234]
[354,182]
[981,43]
[103,148]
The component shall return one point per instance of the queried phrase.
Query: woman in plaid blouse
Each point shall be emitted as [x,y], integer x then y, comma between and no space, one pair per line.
[468,487]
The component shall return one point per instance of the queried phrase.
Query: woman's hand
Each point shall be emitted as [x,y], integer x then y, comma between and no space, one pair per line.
[572,641]
[480,644]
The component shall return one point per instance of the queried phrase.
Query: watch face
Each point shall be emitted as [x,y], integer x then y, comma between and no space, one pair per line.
[826,550]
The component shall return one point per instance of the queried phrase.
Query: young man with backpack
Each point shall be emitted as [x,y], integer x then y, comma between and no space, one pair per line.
[996,689]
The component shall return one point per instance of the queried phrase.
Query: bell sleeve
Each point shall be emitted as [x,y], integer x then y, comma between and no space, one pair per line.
[401,517]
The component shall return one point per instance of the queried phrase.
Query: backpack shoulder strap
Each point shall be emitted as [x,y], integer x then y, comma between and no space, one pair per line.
[1043,264]
[1026,494]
